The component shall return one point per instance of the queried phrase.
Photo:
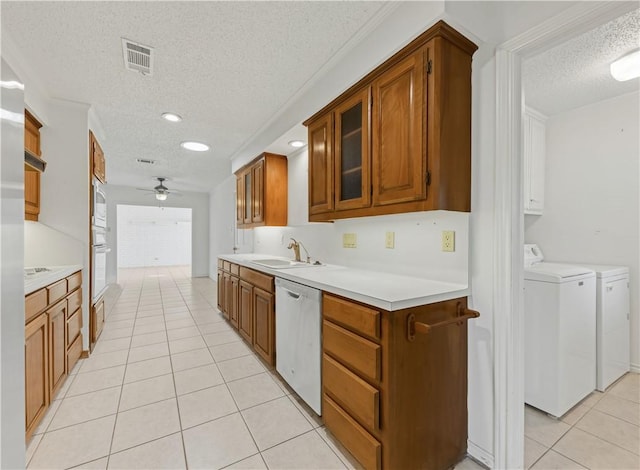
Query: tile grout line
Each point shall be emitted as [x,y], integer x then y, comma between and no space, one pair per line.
[115,422]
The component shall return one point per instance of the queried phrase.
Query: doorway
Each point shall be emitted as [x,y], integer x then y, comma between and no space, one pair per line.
[152,237]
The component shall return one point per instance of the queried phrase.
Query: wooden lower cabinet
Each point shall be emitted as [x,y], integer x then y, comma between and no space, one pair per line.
[221,290]
[53,343]
[97,312]
[36,368]
[396,401]
[264,315]
[234,285]
[247,299]
[245,311]
[57,316]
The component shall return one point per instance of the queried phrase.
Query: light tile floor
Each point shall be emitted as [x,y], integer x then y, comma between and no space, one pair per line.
[601,432]
[171,385]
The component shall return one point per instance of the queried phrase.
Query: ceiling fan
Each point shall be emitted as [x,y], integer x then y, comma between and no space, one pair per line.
[161,191]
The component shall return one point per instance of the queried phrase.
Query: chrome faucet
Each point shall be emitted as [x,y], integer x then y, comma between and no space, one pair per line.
[295,246]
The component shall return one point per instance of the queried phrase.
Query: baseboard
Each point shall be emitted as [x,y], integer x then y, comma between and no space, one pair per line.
[84,354]
[635,368]
[479,454]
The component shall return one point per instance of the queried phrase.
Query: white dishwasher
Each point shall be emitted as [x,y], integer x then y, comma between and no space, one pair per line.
[298,339]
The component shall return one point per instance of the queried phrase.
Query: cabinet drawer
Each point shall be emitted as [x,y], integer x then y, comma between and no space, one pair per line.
[352,350]
[220,263]
[226,265]
[263,281]
[353,393]
[74,325]
[73,353]
[34,304]
[235,269]
[354,437]
[57,291]
[75,302]
[74,281]
[357,317]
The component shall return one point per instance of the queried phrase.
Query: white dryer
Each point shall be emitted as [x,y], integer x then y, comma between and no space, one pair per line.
[560,333]
[612,323]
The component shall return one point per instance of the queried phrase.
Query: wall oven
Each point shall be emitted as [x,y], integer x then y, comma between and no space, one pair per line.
[99,278]
[99,218]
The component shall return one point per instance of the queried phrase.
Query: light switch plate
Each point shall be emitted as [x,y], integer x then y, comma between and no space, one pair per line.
[448,240]
[390,240]
[349,240]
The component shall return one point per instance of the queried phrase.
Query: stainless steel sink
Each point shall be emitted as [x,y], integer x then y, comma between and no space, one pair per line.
[279,263]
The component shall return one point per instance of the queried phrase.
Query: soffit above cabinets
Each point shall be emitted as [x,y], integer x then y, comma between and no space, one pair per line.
[576,72]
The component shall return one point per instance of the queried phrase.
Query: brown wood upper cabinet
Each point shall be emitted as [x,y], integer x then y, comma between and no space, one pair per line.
[261,192]
[98,163]
[31,174]
[399,140]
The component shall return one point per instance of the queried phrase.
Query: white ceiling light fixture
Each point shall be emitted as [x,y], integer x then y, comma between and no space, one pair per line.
[161,196]
[296,143]
[195,146]
[627,67]
[171,117]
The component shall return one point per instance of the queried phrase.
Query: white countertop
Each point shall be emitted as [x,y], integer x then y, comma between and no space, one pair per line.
[39,280]
[379,289]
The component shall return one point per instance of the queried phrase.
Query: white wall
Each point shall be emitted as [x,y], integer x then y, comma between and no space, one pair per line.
[39,240]
[197,202]
[417,236]
[592,210]
[222,221]
[153,236]
[64,195]
[12,398]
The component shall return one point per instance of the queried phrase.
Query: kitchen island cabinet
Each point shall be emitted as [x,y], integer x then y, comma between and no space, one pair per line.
[53,342]
[399,140]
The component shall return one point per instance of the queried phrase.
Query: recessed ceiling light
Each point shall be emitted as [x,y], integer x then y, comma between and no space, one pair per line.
[171,117]
[296,143]
[627,67]
[195,146]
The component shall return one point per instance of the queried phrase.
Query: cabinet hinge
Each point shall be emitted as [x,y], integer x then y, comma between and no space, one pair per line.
[428,178]
[429,66]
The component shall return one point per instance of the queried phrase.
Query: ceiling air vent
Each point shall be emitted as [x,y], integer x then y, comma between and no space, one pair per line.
[145,161]
[137,57]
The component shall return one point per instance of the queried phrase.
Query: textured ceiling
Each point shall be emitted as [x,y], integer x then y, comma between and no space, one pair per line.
[576,73]
[226,67]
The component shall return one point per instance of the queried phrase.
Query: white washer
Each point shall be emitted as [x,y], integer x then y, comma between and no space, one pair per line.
[612,323]
[560,333]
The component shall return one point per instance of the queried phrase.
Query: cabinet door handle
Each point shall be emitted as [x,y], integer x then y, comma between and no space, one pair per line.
[414,327]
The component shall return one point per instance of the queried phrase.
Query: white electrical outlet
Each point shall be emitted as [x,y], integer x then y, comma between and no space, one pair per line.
[390,240]
[448,240]
[349,240]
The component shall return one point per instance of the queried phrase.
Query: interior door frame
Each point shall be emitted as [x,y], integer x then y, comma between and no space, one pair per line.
[508,296]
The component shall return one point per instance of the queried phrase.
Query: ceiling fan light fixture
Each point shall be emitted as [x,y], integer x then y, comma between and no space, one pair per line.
[171,117]
[296,143]
[161,196]
[626,67]
[195,146]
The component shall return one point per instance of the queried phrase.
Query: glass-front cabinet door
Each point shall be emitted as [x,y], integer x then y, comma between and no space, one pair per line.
[352,170]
